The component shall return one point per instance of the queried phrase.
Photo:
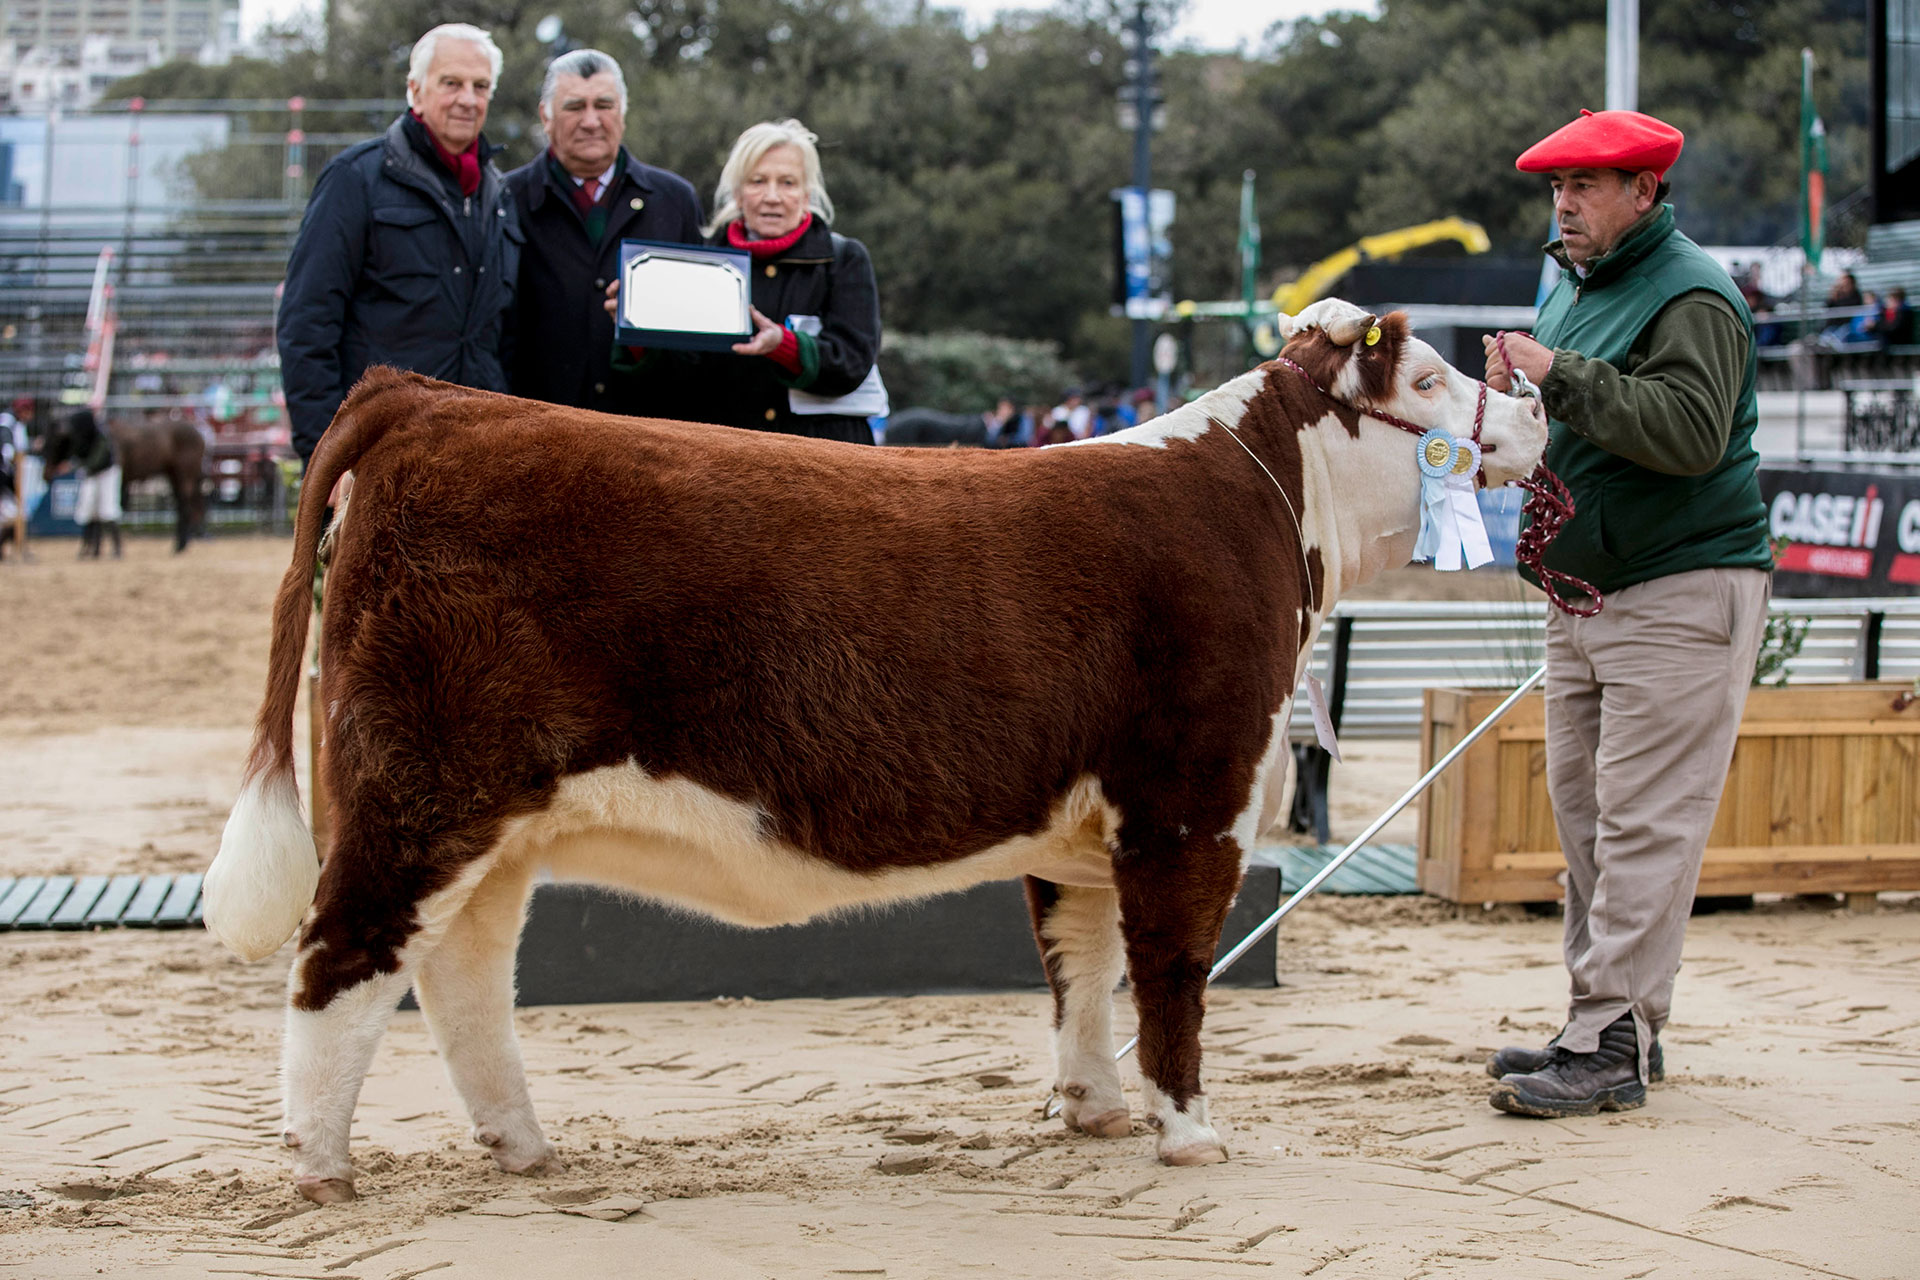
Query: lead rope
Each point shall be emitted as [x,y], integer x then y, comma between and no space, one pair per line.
[1548,508]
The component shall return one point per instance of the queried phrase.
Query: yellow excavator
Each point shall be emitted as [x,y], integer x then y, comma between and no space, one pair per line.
[1316,280]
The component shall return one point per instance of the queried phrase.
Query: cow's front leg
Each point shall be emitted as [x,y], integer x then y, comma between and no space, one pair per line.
[466,992]
[1174,897]
[1078,931]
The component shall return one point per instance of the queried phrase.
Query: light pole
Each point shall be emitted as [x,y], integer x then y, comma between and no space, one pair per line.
[1143,104]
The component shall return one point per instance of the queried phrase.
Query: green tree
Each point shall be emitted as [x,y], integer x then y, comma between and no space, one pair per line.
[976,165]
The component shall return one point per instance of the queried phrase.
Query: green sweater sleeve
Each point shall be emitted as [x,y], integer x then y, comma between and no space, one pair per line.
[1671,408]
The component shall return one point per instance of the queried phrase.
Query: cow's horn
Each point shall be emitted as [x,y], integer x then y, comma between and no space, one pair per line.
[1344,333]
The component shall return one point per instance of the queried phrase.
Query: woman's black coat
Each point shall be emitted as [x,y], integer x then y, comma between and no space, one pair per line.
[824,275]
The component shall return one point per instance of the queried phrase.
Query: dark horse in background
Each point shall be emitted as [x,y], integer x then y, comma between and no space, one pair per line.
[146,446]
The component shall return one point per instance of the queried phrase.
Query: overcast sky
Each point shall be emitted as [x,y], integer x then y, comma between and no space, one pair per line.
[1209,24]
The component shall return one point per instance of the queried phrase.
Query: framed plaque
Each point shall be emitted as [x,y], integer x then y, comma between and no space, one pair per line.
[683,296]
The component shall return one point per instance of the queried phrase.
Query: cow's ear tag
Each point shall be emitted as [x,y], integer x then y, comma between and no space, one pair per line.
[1373,335]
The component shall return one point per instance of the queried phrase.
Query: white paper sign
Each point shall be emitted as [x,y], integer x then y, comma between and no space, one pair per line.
[1322,718]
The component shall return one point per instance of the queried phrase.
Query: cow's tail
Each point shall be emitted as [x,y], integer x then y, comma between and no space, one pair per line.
[264,877]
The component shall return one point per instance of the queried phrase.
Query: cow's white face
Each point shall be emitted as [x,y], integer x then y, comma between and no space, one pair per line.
[1400,375]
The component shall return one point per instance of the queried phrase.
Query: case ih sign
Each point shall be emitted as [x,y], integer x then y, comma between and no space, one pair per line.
[1847,533]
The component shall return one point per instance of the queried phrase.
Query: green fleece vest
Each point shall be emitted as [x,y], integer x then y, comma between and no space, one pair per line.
[1632,524]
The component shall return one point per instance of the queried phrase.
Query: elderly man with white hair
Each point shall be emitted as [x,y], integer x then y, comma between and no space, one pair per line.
[577,201]
[410,248]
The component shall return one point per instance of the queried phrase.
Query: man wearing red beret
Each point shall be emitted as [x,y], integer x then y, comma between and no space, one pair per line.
[1645,362]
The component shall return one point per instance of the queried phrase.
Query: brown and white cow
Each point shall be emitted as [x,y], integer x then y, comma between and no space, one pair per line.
[768,678]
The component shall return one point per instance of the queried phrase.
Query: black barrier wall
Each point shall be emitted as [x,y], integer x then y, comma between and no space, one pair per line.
[587,945]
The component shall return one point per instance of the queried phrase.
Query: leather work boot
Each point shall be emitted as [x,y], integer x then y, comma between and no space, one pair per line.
[1579,1084]
[1517,1060]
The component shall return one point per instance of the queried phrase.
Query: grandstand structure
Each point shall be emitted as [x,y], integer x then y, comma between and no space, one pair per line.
[195,281]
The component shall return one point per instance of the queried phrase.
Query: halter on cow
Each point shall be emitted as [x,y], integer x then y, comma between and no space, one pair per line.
[768,678]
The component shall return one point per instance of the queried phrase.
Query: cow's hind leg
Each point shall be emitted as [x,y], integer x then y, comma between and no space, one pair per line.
[1174,896]
[358,951]
[1078,930]
[466,991]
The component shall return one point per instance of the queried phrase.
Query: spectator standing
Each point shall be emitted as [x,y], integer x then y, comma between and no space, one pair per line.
[1650,385]
[86,448]
[576,202]
[409,249]
[1143,405]
[13,449]
[1074,413]
[1006,429]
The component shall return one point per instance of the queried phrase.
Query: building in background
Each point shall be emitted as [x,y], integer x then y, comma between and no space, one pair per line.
[64,53]
[203,30]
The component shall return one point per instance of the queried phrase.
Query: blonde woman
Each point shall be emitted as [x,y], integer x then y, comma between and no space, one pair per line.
[809,368]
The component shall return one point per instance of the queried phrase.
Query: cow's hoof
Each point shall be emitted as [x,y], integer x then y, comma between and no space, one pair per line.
[326,1190]
[1194,1153]
[523,1152]
[1108,1124]
[537,1167]
[531,1164]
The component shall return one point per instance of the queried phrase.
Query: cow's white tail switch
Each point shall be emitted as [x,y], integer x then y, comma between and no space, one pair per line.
[264,877]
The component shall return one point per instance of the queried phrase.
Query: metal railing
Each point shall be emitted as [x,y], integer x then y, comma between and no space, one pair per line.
[1395,650]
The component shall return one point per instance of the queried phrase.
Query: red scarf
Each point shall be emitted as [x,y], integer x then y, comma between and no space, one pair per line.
[465,167]
[737,237]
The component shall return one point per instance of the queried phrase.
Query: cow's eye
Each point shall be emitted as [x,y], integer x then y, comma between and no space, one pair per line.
[1427,383]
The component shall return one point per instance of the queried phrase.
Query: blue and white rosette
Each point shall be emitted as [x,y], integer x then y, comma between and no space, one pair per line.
[1434,452]
[1470,548]
[1452,534]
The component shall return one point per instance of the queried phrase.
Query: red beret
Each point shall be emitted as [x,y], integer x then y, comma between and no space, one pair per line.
[1606,140]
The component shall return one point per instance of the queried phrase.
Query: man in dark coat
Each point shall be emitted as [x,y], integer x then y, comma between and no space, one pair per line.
[409,249]
[576,202]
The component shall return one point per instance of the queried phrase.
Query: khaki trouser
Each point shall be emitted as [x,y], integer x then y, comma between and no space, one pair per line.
[1643,705]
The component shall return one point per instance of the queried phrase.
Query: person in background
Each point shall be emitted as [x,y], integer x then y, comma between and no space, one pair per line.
[1861,327]
[1111,413]
[81,445]
[1645,359]
[810,367]
[1143,405]
[1845,291]
[577,201]
[1074,413]
[409,249]
[13,450]
[1894,324]
[1039,418]
[1006,429]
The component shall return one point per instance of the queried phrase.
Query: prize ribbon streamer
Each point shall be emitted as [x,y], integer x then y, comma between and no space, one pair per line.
[1470,544]
[1437,532]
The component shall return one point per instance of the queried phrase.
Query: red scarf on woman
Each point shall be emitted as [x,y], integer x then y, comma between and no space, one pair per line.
[737,237]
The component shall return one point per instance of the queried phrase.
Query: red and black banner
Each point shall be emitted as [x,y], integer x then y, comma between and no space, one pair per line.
[1846,533]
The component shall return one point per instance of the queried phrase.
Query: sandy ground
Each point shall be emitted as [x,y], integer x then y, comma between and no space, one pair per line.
[138,1099]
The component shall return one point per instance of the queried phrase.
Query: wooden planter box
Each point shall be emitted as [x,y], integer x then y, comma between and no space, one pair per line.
[1823,797]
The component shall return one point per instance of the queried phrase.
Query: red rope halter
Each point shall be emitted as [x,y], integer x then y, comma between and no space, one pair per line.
[1548,507]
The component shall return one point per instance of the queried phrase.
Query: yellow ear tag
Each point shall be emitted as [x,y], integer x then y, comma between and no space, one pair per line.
[1373,335]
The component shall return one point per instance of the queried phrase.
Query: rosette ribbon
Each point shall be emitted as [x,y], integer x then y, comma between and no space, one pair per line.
[1452,534]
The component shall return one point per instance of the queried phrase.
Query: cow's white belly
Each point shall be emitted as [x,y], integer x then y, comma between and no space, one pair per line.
[673,840]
